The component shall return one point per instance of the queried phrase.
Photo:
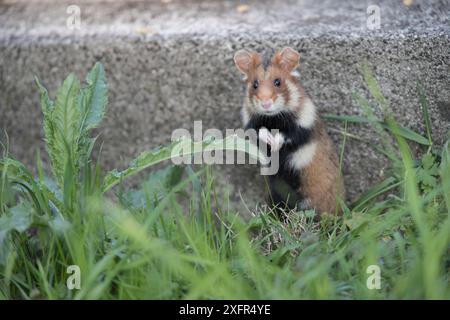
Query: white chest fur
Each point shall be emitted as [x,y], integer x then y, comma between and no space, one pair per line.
[303,156]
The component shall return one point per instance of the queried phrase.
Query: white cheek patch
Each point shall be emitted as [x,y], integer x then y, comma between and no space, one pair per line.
[303,156]
[294,95]
[279,103]
[307,114]
[256,103]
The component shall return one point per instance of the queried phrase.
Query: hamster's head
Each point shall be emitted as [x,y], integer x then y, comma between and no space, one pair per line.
[270,89]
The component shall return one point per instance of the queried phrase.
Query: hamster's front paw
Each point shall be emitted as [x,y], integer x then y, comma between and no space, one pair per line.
[265,136]
[277,142]
[274,141]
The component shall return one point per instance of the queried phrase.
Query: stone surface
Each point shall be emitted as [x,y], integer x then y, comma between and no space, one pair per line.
[169,64]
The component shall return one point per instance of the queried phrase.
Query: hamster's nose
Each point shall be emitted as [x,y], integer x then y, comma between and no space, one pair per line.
[267,104]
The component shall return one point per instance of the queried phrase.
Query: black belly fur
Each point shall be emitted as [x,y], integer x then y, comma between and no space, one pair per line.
[284,185]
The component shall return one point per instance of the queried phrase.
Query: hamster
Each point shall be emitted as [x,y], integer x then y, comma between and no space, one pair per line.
[308,176]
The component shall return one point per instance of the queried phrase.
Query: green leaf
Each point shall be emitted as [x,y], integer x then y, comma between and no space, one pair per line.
[158,184]
[21,217]
[91,102]
[65,119]
[18,174]
[59,225]
[93,98]
[18,218]
[47,105]
[181,148]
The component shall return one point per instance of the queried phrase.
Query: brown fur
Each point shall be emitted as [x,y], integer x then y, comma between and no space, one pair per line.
[321,180]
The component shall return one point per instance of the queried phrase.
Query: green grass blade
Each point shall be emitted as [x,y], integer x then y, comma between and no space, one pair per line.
[375,191]
[402,131]
[425,113]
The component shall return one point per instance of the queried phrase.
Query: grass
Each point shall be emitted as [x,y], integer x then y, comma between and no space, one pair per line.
[174,237]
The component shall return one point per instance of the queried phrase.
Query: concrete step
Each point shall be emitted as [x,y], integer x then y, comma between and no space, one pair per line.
[169,63]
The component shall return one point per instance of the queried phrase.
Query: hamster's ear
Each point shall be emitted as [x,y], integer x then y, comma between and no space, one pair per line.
[246,61]
[287,58]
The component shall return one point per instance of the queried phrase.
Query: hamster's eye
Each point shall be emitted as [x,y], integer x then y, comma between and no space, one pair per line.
[277,82]
[255,84]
